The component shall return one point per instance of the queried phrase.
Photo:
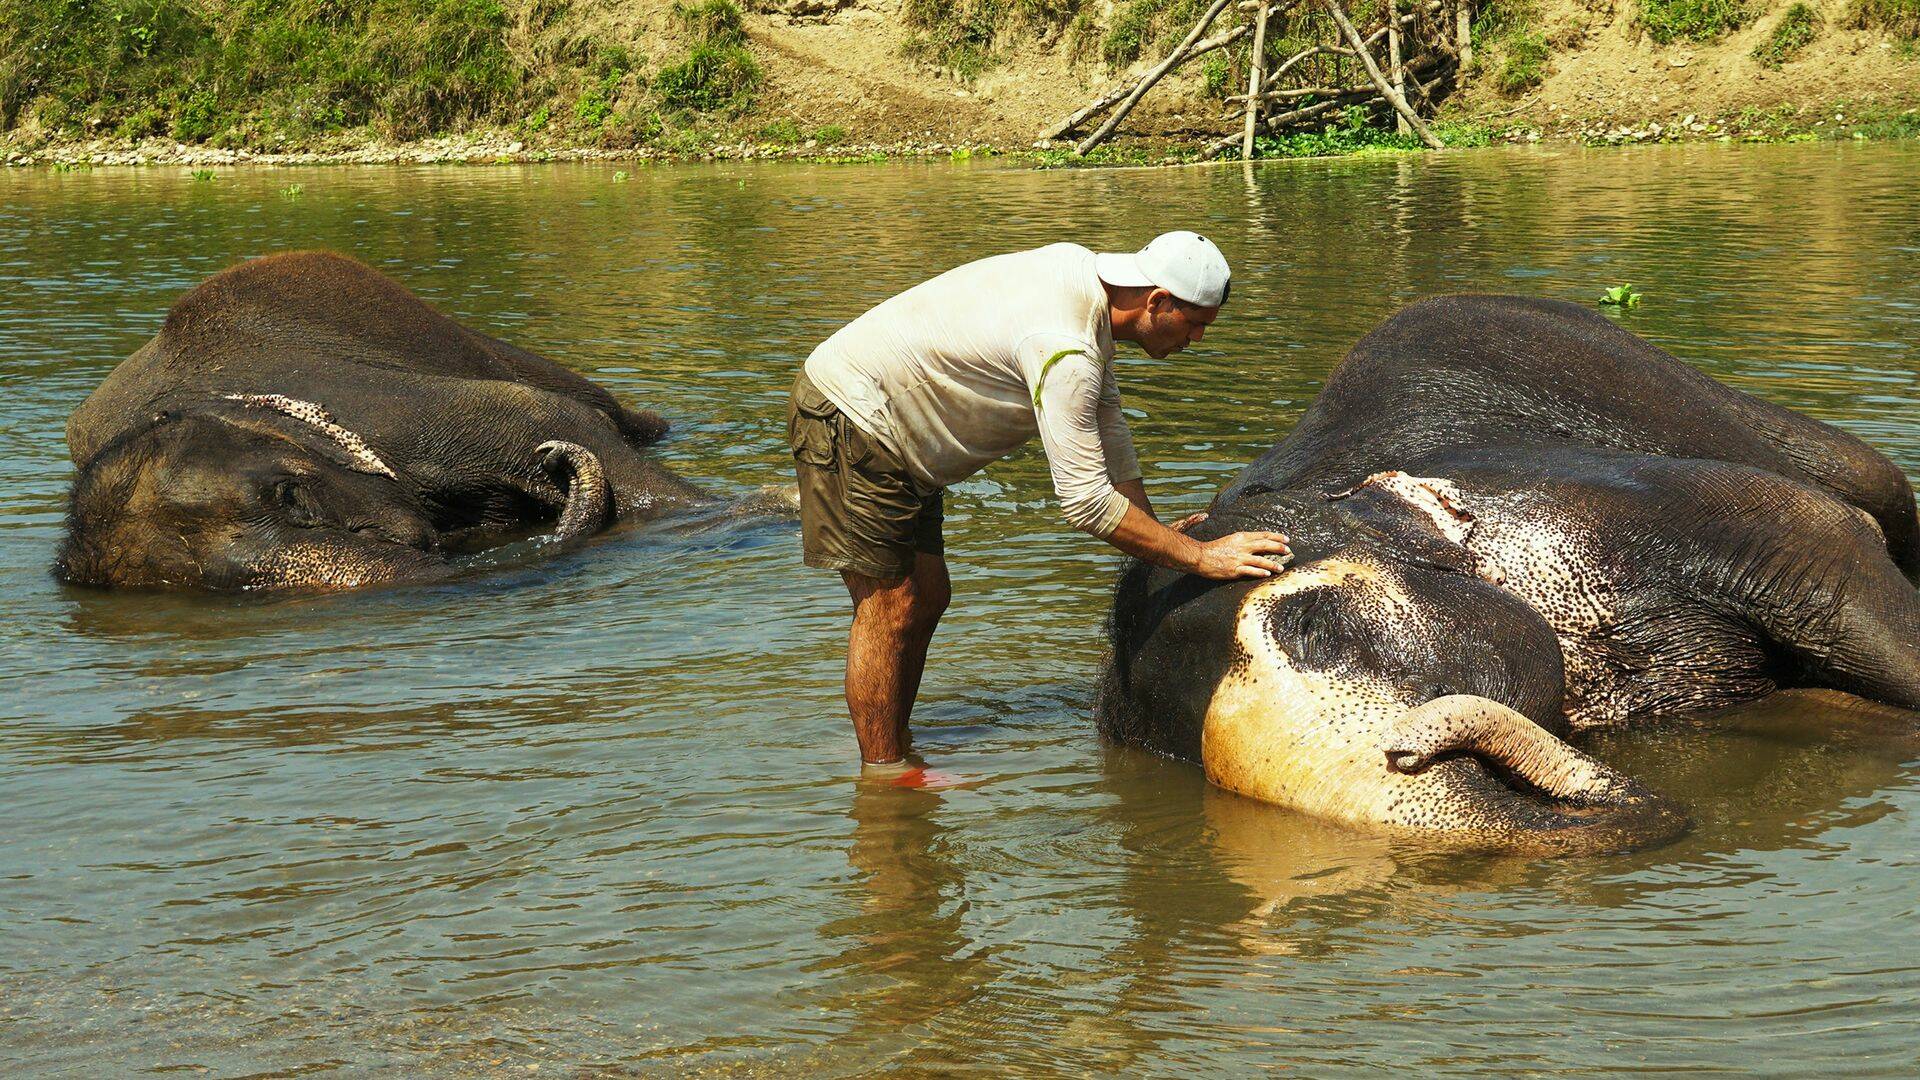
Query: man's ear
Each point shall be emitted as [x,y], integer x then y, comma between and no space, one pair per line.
[1160,301]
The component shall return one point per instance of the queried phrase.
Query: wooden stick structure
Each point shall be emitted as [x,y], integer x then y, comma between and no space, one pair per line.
[1173,58]
[1393,59]
[1256,79]
[1332,67]
[1394,98]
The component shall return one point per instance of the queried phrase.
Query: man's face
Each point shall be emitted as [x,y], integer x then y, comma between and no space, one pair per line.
[1173,324]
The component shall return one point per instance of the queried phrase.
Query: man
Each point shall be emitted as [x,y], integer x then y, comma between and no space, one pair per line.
[934,384]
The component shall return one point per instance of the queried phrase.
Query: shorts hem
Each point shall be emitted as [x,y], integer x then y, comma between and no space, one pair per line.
[858,566]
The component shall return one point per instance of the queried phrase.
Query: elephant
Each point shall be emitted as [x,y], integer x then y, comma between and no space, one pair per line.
[1513,521]
[302,421]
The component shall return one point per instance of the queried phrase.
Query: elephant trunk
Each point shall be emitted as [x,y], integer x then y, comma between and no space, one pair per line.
[1591,808]
[588,503]
[1464,723]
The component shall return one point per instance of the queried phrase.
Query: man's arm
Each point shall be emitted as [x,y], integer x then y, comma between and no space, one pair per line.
[1136,492]
[1067,393]
[1238,555]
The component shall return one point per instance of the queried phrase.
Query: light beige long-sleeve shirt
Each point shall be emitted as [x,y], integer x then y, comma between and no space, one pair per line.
[960,371]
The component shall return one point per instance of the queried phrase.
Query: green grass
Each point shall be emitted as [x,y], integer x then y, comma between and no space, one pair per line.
[968,36]
[1901,18]
[1668,21]
[784,132]
[718,74]
[1795,31]
[1526,63]
[196,70]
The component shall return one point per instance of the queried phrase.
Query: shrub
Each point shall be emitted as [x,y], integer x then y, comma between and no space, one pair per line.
[783,132]
[1217,73]
[716,22]
[1901,18]
[1526,64]
[1131,31]
[1667,21]
[718,73]
[1795,30]
[408,66]
[965,36]
[713,78]
[829,134]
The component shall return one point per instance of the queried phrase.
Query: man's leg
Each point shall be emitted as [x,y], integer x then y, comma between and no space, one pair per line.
[893,622]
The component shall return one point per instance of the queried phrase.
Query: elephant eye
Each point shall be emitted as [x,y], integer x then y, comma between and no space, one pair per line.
[289,497]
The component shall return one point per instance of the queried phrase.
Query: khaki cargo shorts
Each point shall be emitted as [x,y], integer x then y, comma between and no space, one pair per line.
[859,509]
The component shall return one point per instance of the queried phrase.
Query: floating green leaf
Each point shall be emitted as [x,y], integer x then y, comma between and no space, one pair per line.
[1621,296]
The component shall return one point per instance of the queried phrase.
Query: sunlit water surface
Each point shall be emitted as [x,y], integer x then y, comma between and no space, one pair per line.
[602,814]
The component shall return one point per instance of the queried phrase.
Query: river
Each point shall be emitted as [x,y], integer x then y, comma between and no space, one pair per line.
[602,814]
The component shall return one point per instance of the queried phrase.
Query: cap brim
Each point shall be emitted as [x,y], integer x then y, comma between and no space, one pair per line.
[1118,269]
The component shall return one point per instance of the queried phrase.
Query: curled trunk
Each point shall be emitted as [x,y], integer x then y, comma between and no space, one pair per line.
[589,503]
[1582,805]
[1463,723]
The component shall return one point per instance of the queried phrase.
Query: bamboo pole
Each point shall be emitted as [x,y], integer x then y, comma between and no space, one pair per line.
[1256,81]
[1173,58]
[1393,60]
[1106,101]
[1395,99]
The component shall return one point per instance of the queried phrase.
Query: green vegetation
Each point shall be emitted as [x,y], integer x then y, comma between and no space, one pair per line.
[1216,71]
[245,71]
[620,176]
[965,36]
[1623,296]
[718,74]
[292,191]
[829,134]
[202,175]
[1508,31]
[1901,18]
[1138,24]
[1668,21]
[784,132]
[1795,31]
[1526,63]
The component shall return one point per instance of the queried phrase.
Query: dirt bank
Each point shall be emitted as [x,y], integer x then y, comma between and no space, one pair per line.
[856,79]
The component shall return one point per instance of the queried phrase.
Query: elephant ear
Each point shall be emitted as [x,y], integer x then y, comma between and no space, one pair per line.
[1423,520]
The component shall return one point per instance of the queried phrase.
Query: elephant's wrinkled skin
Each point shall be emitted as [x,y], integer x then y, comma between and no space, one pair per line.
[303,421]
[1512,521]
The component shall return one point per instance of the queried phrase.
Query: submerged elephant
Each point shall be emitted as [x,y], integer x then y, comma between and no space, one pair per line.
[1513,521]
[303,421]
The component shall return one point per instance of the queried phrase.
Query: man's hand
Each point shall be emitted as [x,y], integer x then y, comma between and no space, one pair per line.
[1242,555]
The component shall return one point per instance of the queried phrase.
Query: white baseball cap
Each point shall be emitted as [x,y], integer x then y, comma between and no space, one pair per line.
[1184,263]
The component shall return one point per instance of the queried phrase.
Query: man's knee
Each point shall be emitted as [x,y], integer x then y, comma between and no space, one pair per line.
[906,607]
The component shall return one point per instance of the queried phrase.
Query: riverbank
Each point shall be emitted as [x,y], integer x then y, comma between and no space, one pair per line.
[1842,120]
[429,81]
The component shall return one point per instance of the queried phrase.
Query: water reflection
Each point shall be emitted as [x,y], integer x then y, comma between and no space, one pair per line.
[600,812]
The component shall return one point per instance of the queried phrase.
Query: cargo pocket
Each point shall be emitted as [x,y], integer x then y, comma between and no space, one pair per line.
[810,429]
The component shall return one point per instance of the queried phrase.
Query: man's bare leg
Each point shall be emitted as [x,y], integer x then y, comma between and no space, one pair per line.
[893,622]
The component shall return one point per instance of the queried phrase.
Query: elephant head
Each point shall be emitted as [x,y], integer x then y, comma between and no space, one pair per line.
[1381,680]
[261,491]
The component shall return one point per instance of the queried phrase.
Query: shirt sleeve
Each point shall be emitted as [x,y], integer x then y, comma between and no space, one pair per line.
[1067,380]
[1116,441]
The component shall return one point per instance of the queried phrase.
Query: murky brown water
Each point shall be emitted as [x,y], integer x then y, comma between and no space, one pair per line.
[602,813]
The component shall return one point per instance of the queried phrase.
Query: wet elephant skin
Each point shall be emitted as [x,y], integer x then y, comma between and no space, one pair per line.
[303,421]
[1513,521]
